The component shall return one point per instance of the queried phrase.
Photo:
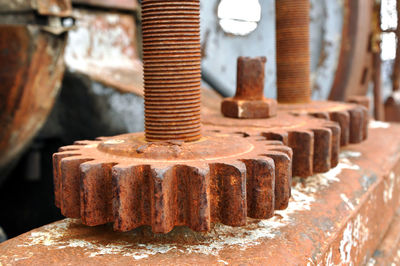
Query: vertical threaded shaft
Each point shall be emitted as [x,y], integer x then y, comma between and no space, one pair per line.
[172,69]
[293,51]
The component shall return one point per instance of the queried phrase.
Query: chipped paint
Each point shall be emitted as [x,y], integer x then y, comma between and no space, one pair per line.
[329,258]
[350,154]
[389,187]
[347,201]
[355,234]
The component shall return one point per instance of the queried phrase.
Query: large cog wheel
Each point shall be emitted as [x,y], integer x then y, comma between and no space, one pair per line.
[130,182]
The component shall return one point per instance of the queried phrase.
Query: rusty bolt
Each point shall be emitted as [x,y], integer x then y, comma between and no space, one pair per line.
[293,51]
[249,101]
[172,69]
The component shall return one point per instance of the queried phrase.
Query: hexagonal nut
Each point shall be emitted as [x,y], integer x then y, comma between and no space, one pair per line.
[248,109]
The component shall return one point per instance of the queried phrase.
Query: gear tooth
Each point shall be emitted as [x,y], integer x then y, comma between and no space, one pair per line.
[96,193]
[322,150]
[131,197]
[69,196]
[335,147]
[57,176]
[83,142]
[193,197]
[281,136]
[281,148]
[283,178]
[365,123]
[69,148]
[163,199]
[322,115]
[228,193]
[356,125]
[260,187]
[343,119]
[302,144]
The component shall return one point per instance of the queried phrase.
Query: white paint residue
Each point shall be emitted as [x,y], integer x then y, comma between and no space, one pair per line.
[314,183]
[371,262]
[329,259]
[221,236]
[224,262]
[389,187]
[355,234]
[240,111]
[114,141]
[378,124]
[91,146]
[350,154]
[347,201]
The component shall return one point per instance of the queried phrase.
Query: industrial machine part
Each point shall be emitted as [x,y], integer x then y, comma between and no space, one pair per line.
[354,70]
[174,174]
[129,5]
[293,78]
[315,142]
[392,104]
[249,101]
[32,43]
[336,218]
[377,62]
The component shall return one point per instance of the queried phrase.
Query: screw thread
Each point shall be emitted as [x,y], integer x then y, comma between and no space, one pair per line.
[172,69]
[293,51]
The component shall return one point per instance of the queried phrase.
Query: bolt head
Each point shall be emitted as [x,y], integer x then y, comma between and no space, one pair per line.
[236,108]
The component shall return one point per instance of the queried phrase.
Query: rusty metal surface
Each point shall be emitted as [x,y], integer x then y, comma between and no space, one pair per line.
[172,69]
[360,100]
[293,51]
[392,103]
[114,4]
[392,107]
[334,218]
[315,142]
[377,62]
[353,119]
[354,71]
[294,90]
[396,63]
[28,88]
[171,174]
[387,252]
[131,182]
[104,47]
[61,8]
[249,101]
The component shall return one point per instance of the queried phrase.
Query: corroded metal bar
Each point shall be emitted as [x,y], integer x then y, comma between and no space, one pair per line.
[293,51]
[172,69]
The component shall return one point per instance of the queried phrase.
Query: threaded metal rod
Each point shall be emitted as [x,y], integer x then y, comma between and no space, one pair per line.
[293,51]
[172,69]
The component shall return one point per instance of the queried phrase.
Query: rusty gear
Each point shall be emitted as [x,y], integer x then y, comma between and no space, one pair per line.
[353,119]
[315,142]
[131,182]
[183,177]
[293,78]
